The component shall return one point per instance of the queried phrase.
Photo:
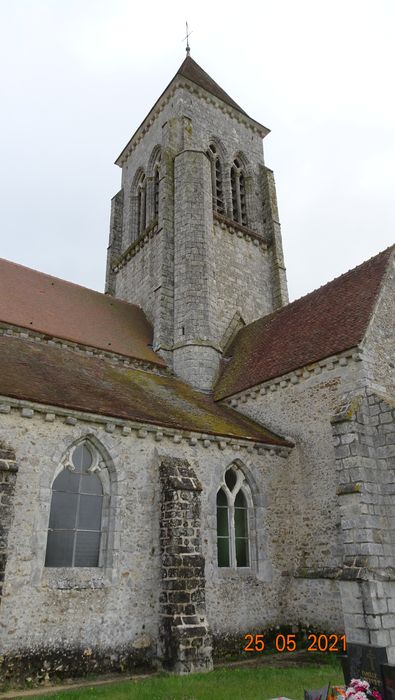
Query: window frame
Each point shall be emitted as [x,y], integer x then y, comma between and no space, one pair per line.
[241,484]
[99,467]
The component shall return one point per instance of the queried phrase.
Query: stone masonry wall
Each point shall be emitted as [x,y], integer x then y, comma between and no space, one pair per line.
[302,409]
[81,620]
[8,473]
[364,439]
[184,636]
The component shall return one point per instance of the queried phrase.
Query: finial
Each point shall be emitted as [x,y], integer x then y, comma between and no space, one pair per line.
[188,34]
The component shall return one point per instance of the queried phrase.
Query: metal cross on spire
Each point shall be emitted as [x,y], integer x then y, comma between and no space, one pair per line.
[188,34]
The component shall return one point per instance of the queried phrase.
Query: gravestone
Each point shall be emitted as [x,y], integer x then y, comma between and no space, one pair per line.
[388,675]
[364,661]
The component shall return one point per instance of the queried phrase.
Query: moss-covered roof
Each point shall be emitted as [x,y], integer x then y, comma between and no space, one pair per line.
[56,376]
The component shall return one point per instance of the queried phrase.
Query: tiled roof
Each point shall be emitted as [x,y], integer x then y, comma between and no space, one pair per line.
[329,320]
[191,70]
[57,376]
[52,306]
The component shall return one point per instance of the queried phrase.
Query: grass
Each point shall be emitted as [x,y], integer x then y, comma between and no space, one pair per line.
[246,683]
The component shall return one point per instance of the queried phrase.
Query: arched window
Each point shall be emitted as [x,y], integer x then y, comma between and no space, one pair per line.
[237,180]
[216,180]
[141,205]
[232,522]
[156,189]
[75,521]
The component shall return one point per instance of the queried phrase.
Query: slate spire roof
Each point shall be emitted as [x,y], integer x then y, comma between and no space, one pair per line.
[329,320]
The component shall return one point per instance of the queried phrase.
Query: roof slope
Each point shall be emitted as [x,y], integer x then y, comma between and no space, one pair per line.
[191,70]
[62,377]
[37,301]
[329,320]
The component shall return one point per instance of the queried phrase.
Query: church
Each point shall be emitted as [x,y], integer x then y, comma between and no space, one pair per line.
[188,458]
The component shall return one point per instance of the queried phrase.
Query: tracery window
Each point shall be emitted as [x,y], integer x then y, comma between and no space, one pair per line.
[233,547]
[237,180]
[75,521]
[216,180]
[141,205]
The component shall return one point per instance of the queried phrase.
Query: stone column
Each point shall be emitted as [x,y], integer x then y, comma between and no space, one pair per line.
[185,639]
[364,441]
[272,231]
[8,472]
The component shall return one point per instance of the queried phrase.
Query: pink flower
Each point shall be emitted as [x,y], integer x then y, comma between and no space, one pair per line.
[359,695]
[376,695]
[357,684]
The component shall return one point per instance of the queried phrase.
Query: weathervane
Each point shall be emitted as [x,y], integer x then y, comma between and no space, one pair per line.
[188,34]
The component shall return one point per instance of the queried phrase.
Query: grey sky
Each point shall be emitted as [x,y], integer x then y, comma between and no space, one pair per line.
[78,77]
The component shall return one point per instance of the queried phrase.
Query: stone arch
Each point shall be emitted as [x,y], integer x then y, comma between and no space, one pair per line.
[155,156]
[236,324]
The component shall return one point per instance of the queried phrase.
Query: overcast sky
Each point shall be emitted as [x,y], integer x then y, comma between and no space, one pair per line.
[78,77]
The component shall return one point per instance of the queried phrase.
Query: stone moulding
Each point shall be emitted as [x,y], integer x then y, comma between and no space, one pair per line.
[294,377]
[28,410]
[150,232]
[233,227]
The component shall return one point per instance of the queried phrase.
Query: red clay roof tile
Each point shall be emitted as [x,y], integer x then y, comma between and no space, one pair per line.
[52,306]
[329,320]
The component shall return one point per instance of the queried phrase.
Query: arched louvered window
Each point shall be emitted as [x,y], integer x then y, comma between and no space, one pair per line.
[232,522]
[216,180]
[239,205]
[141,205]
[75,521]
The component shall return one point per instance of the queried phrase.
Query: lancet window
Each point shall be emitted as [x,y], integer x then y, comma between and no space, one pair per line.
[141,204]
[216,180]
[233,546]
[239,206]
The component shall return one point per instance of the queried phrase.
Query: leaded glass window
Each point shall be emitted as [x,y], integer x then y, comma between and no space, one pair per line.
[232,522]
[75,520]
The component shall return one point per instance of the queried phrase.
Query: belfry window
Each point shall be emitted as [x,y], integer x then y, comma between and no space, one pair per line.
[75,521]
[216,180]
[141,205]
[232,522]
[239,206]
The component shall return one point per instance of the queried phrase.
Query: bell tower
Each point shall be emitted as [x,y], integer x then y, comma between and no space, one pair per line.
[195,237]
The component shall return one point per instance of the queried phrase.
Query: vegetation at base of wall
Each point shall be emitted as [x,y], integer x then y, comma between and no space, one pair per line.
[262,682]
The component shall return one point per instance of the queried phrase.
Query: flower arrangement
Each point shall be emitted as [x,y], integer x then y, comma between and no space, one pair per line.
[360,690]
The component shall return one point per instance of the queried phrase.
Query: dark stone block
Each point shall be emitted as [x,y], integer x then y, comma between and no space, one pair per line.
[388,677]
[364,661]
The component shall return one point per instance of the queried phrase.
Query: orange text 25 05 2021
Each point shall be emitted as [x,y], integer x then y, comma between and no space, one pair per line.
[288,642]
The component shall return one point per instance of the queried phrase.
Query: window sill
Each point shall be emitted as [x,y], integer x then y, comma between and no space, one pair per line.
[225,572]
[76,579]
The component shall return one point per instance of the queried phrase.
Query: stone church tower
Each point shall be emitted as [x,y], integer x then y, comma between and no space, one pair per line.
[195,237]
